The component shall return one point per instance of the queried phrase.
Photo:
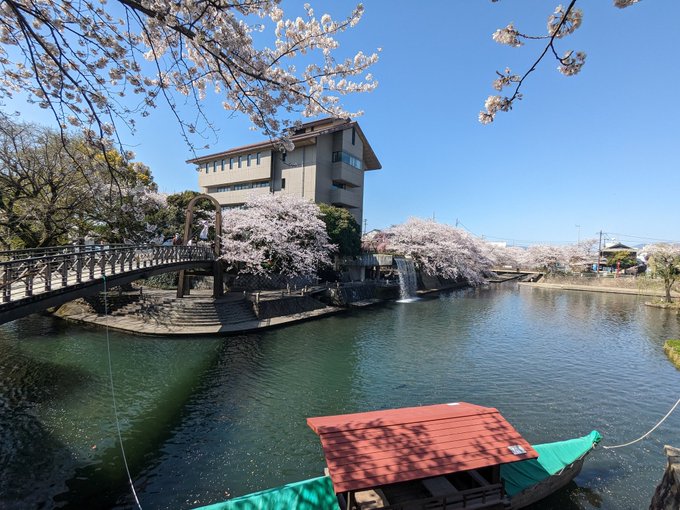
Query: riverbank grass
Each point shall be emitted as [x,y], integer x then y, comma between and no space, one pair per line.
[672,350]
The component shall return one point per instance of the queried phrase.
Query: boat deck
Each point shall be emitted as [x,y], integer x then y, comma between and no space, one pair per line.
[469,490]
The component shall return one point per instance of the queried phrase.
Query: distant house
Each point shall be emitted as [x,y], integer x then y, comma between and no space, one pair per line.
[327,165]
[608,253]
[618,247]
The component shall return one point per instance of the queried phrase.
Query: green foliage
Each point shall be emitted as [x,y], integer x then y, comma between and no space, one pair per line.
[175,214]
[624,257]
[674,344]
[343,230]
[163,281]
[56,189]
[672,350]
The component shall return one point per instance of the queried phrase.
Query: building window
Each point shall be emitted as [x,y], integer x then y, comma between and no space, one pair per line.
[347,158]
[283,183]
[258,158]
[354,135]
[207,168]
[222,166]
[214,166]
[231,163]
[240,158]
[249,156]
[339,185]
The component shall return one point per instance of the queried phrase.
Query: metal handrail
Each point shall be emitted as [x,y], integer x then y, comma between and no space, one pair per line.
[25,277]
[8,255]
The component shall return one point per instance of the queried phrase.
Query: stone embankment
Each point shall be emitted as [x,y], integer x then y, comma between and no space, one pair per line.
[639,286]
[667,494]
[161,313]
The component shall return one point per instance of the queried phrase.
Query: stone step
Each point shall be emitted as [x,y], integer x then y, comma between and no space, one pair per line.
[192,311]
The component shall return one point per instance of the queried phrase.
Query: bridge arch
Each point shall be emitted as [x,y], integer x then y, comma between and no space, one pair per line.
[183,286]
[218,220]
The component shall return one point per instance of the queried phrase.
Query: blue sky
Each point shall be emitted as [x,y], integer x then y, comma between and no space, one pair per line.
[595,150]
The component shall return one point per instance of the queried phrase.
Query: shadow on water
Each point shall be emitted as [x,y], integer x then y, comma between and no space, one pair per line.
[28,450]
[58,440]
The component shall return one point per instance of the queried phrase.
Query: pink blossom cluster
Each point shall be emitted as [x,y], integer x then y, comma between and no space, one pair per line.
[275,234]
[562,22]
[80,61]
[442,250]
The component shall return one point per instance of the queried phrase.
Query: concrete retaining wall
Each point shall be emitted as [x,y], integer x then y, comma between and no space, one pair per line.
[287,305]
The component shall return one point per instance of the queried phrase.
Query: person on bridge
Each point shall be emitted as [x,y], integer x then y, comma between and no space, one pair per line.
[177,240]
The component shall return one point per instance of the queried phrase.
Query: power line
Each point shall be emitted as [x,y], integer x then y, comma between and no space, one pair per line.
[641,237]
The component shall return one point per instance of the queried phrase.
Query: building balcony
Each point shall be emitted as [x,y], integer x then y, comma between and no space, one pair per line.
[347,197]
[346,174]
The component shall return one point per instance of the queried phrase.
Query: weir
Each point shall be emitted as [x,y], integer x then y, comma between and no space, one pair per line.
[408,282]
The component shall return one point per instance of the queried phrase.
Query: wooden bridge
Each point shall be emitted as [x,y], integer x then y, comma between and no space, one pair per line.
[36,279]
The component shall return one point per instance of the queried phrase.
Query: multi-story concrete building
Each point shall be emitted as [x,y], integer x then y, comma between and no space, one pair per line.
[327,165]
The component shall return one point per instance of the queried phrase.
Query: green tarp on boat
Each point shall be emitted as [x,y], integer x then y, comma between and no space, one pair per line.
[552,458]
[312,494]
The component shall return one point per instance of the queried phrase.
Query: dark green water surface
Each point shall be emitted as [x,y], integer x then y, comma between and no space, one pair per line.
[205,419]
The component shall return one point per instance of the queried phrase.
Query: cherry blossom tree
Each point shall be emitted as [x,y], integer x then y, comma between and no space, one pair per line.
[562,22]
[546,257]
[82,61]
[275,234]
[664,259]
[510,256]
[441,249]
[551,258]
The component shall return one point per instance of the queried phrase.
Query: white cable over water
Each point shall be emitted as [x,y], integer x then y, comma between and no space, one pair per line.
[651,430]
[113,394]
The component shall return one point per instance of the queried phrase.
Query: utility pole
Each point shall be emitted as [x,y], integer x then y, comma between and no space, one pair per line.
[599,254]
[365,221]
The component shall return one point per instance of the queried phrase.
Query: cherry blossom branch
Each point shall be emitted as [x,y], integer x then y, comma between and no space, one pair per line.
[560,24]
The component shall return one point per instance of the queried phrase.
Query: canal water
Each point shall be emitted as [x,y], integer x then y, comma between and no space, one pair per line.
[205,419]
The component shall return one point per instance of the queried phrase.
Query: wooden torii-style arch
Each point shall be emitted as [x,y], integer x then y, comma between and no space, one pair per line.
[183,284]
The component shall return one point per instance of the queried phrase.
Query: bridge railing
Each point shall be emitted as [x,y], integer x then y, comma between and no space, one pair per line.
[28,253]
[27,276]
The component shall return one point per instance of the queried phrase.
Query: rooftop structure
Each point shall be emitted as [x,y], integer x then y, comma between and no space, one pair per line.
[327,165]
[373,449]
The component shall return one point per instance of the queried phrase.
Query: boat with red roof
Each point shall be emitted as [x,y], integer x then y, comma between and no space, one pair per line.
[445,456]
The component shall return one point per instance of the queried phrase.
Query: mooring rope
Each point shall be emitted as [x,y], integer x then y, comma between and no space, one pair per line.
[650,431]
[113,394]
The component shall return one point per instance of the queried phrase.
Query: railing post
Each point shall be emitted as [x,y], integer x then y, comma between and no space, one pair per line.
[113,261]
[48,276]
[64,270]
[79,267]
[91,265]
[102,262]
[29,284]
[6,285]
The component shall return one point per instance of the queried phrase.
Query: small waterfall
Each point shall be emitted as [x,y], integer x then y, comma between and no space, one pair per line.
[408,283]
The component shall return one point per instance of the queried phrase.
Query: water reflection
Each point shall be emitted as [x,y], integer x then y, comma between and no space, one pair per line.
[206,419]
